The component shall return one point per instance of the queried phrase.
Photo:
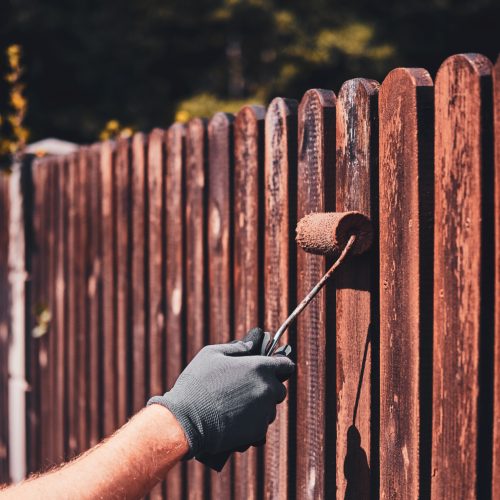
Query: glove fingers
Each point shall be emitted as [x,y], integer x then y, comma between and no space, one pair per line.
[256,336]
[234,348]
[282,366]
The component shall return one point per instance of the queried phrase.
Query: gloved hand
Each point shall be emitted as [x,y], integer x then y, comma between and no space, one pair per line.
[226,397]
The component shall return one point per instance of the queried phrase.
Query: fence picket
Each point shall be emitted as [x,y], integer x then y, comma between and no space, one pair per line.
[315,331]
[196,269]
[405,175]
[174,284]
[463,326]
[356,175]
[279,283]
[248,208]
[220,254]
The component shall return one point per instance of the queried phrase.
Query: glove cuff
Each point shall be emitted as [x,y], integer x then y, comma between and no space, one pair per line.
[198,417]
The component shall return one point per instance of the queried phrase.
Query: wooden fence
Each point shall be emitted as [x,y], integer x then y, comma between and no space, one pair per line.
[144,250]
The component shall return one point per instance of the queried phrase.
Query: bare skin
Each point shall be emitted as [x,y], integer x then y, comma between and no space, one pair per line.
[127,465]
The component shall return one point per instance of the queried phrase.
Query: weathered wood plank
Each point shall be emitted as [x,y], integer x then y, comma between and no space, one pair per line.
[33,395]
[81,311]
[462,279]
[4,326]
[123,274]
[248,255]
[156,267]
[196,269]
[315,330]
[108,245]
[280,179]
[174,284]
[44,313]
[496,365]
[220,252]
[405,179]
[94,295]
[139,266]
[356,172]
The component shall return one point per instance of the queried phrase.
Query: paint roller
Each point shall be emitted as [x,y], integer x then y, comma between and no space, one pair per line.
[331,234]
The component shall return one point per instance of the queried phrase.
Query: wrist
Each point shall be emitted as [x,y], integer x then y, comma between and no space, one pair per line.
[169,434]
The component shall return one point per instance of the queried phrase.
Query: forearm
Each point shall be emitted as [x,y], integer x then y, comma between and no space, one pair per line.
[127,465]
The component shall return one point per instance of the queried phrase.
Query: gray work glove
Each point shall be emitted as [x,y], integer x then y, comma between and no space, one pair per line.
[226,397]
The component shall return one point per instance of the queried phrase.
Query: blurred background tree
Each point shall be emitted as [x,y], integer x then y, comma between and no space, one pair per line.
[144,63]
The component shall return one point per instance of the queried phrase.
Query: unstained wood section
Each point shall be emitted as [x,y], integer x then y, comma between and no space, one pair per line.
[139,268]
[356,170]
[108,248]
[462,323]
[220,253]
[315,335]
[248,209]
[174,284]
[196,268]
[405,223]
[280,178]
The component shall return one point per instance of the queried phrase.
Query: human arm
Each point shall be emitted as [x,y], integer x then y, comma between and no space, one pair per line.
[127,465]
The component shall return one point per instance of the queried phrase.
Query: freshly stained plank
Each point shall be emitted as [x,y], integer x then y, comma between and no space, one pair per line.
[280,178]
[174,284]
[248,253]
[220,242]
[81,254]
[139,263]
[123,269]
[315,330]
[356,170]
[108,246]
[196,268]
[156,267]
[496,408]
[405,212]
[4,326]
[94,294]
[462,278]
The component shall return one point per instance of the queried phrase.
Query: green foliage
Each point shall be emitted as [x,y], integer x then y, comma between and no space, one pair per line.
[142,62]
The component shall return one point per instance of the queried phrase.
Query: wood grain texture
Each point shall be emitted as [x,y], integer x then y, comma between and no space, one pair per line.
[248,255]
[315,332]
[139,267]
[496,394]
[81,255]
[108,246]
[4,326]
[196,269]
[462,269]
[44,310]
[94,295]
[356,171]
[405,268]
[156,175]
[156,269]
[123,275]
[33,378]
[280,179]
[220,253]
[174,284]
